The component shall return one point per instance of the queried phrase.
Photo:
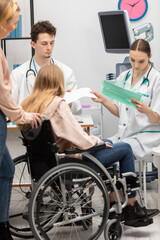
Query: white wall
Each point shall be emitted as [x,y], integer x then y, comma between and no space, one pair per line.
[79,42]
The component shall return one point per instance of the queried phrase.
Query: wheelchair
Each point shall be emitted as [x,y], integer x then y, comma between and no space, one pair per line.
[58,196]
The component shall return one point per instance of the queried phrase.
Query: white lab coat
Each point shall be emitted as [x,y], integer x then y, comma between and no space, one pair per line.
[132,122]
[22,87]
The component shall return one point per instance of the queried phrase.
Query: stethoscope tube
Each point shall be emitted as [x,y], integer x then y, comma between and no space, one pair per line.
[30,69]
[33,71]
[145,80]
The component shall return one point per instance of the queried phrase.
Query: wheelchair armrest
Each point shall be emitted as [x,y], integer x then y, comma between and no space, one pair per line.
[98,146]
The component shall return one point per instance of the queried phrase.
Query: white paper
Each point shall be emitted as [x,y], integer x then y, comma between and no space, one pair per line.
[77,94]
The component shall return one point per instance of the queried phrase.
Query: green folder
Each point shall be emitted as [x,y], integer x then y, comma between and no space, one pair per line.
[110,89]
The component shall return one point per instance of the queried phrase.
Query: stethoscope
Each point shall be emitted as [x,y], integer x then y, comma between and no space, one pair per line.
[33,71]
[145,79]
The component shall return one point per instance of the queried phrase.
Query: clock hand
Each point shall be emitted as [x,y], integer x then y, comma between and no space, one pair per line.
[135,3]
[130,4]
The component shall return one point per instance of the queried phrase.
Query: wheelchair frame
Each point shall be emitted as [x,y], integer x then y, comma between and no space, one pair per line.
[55,206]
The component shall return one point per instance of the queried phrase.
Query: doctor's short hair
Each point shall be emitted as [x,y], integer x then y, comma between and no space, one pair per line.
[142,46]
[42,27]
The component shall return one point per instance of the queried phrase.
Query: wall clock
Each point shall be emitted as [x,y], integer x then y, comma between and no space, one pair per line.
[136,8]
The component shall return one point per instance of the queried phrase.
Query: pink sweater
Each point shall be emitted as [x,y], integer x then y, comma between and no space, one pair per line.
[7,105]
[67,131]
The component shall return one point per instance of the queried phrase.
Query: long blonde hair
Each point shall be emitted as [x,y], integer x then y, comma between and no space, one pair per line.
[7,9]
[48,84]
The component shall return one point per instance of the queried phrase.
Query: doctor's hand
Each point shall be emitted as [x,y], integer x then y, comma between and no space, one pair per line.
[100,98]
[140,106]
[143,108]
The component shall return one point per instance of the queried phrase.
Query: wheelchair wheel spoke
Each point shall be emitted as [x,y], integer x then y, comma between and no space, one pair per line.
[68,203]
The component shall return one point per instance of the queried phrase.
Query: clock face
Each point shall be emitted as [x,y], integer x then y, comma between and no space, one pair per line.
[136,8]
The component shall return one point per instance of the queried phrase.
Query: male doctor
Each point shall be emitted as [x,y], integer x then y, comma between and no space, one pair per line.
[23,77]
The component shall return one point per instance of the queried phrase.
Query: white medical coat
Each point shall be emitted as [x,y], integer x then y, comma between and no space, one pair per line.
[134,127]
[22,87]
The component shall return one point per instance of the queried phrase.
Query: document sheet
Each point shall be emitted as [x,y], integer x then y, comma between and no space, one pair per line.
[77,94]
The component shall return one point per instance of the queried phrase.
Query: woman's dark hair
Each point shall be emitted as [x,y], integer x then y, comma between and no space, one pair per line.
[142,46]
[42,27]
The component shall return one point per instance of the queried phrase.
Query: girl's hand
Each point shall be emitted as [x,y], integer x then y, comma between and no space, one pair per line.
[108,144]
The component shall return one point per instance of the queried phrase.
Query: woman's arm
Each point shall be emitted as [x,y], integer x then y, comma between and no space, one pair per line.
[106,103]
[14,112]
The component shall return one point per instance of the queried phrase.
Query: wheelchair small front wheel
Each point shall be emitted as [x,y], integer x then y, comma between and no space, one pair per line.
[112,231]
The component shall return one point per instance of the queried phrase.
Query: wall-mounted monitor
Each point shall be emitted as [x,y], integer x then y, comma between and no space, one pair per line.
[116,31]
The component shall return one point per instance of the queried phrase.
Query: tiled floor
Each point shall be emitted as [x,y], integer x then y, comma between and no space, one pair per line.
[151,232]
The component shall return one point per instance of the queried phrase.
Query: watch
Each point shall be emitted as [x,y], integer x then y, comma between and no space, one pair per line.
[136,8]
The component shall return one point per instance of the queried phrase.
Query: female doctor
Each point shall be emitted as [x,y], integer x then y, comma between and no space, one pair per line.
[139,126]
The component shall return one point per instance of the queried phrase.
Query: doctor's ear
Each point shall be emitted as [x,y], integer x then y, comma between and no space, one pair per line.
[32,44]
[150,57]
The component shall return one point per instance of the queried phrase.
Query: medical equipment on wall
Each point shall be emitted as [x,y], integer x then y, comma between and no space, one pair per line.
[116,31]
[110,76]
[118,35]
[146,28]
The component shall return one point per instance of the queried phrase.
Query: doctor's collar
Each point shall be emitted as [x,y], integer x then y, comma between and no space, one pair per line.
[144,78]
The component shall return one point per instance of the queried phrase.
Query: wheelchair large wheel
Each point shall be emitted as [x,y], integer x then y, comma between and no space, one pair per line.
[69,202]
[21,192]
[113,231]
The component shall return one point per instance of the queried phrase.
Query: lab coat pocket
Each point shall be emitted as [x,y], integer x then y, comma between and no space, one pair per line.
[140,118]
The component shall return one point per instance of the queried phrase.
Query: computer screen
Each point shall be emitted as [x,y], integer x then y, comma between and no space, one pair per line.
[116,31]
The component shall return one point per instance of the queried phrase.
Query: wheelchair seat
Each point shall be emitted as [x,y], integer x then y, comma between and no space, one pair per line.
[41,148]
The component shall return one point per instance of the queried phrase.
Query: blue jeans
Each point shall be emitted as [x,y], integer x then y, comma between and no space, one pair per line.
[6,171]
[122,153]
